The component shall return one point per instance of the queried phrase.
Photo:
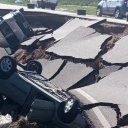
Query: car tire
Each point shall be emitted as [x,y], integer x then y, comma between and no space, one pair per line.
[7,66]
[34,65]
[53,7]
[99,11]
[118,14]
[31,6]
[81,12]
[38,5]
[43,5]
[70,115]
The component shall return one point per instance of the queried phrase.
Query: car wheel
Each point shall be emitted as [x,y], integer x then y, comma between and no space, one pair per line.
[31,6]
[53,7]
[43,5]
[38,5]
[117,14]
[99,11]
[7,66]
[34,66]
[68,111]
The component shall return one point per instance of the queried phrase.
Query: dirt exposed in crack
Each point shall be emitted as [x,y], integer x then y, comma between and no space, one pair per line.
[117,31]
[37,51]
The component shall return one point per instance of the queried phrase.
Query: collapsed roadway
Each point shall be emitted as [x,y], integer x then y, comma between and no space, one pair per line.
[88,59]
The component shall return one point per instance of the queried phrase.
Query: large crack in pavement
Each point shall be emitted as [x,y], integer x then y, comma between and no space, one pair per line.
[101,68]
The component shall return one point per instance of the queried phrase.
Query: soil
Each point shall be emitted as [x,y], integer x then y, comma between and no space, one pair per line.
[37,50]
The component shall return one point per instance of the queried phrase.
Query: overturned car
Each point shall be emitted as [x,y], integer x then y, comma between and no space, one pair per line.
[28,93]
[14,29]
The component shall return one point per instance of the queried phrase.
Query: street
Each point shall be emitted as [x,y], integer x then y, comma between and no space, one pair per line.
[95,65]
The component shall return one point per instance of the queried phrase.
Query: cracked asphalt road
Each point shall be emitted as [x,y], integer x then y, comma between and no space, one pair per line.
[105,96]
[103,93]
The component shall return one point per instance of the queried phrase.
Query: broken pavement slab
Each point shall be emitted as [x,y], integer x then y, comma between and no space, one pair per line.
[116,82]
[78,34]
[95,76]
[37,39]
[70,74]
[82,49]
[108,70]
[111,89]
[119,53]
[50,67]
[65,74]
[71,25]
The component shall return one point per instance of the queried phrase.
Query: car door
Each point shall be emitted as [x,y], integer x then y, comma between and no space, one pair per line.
[104,7]
[112,4]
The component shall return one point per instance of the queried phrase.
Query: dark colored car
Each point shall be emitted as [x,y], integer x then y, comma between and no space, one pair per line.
[43,4]
[117,8]
[30,94]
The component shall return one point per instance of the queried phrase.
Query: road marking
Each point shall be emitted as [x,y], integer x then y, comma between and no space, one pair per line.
[96,110]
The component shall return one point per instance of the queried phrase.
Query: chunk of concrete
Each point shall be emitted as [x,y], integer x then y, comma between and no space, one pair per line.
[82,48]
[71,74]
[50,67]
[108,70]
[78,34]
[70,26]
[111,89]
[119,54]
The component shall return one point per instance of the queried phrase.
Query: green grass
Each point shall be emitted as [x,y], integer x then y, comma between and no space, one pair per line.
[74,8]
[13,2]
[69,8]
[7,1]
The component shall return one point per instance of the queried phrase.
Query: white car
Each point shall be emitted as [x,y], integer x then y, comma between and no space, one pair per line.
[44,3]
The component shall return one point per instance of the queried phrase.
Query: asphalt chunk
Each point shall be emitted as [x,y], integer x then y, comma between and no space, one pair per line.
[113,88]
[71,25]
[108,70]
[81,49]
[119,52]
[79,33]
[50,67]
[71,74]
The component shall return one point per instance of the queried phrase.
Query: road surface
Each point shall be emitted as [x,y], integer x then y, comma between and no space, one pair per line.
[105,101]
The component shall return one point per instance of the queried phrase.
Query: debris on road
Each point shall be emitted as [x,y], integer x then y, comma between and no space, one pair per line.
[71,25]
[71,74]
[108,70]
[118,54]
[50,67]
[80,48]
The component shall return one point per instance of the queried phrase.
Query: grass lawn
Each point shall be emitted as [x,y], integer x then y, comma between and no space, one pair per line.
[13,2]
[69,8]
[74,8]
